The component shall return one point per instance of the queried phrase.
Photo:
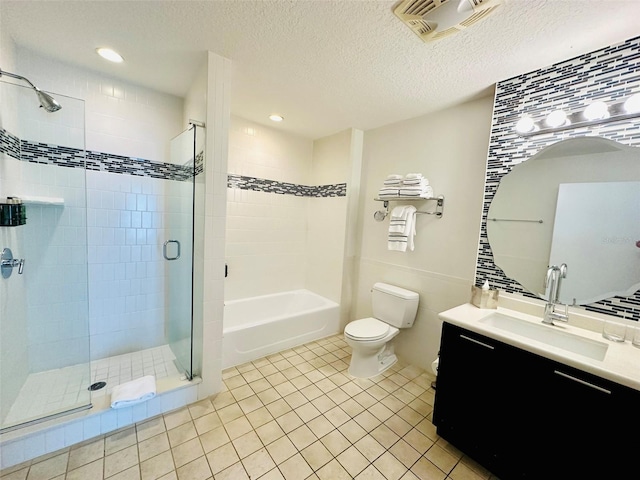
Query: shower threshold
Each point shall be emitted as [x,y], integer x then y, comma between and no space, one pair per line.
[57,392]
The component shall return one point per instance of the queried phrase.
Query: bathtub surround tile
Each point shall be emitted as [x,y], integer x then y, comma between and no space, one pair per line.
[359,429]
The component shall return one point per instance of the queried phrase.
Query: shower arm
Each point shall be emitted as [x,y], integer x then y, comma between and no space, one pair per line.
[19,77]
[46,101]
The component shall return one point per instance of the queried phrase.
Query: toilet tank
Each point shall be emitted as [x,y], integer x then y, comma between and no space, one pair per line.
[394,305]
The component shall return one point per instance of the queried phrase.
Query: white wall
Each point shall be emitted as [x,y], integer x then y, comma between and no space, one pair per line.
[450,148]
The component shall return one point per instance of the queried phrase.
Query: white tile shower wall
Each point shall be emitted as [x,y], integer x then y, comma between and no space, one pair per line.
[266,243]
[215,185]
[55,247]
[266,233]
[129,218]
[263,152]
[14,361]
[121,118]
[327,217]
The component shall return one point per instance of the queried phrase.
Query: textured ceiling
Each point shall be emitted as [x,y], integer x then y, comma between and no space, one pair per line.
[325,65]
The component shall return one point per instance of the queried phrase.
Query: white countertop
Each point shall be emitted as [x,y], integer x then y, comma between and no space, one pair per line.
[621,363]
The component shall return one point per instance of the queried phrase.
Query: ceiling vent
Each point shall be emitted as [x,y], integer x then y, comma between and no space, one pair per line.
[435,19]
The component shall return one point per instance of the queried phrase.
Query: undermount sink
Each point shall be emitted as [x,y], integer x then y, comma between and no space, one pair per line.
[549,335]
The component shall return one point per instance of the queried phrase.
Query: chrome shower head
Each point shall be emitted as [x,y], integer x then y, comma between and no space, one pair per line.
[46,101]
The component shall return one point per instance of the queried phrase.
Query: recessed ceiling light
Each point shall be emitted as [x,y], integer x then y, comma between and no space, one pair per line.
[276,118]
[110,55]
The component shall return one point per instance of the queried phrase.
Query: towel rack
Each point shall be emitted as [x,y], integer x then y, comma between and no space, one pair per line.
[514,220]
[437,212]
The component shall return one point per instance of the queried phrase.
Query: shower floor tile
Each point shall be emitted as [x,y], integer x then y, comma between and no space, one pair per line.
[53,391]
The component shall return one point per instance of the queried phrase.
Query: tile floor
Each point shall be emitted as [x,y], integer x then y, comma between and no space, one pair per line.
[293,415]
[52,391]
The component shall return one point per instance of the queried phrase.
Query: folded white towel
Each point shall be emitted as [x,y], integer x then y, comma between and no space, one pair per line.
[394,176]
[392,183]
[133,392]
[403,240]
[416,181]
[388,192]
[426,192]
[411,176]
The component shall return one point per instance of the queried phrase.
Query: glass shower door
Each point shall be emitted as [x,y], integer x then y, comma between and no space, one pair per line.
[44,312]
[178,251]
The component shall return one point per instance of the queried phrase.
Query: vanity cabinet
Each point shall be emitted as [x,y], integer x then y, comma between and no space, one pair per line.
[521,415]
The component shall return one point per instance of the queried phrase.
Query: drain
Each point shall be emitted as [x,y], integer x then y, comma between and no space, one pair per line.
[97,386]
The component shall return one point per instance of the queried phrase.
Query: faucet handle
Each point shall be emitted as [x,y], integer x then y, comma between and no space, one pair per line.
[563,317]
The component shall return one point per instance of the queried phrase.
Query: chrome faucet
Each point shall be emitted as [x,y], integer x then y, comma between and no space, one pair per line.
[552,282]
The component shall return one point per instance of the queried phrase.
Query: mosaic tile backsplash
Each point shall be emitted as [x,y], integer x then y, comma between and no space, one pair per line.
[273,186]
[43,153]
[75,158]
[609,74]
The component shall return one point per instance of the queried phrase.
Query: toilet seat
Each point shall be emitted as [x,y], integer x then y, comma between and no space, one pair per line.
[366,329]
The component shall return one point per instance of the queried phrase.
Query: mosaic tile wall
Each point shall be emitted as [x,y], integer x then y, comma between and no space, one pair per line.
[273,186]
[43,153]
[609,74]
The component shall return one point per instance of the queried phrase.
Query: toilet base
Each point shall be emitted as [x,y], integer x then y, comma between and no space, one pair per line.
[366,364]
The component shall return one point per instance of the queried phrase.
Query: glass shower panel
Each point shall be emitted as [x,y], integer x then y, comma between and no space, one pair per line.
[178,251]
[44,321]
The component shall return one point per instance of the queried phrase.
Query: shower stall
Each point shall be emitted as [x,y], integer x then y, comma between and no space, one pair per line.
[97,275]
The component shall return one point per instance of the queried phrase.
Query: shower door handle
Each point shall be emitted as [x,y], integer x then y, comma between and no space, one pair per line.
[164,250]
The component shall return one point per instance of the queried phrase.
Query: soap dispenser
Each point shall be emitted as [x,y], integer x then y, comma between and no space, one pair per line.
[484,297]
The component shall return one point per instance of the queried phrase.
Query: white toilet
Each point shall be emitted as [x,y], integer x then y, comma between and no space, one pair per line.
[372,354]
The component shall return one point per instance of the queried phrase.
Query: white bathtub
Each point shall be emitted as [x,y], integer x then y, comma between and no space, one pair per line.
[258,326]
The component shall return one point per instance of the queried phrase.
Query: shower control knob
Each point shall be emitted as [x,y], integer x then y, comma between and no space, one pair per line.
[8,263]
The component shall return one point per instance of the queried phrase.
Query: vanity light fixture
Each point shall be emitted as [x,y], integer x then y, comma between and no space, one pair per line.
[557,118]
[632,105]
[595,113]
[275,117]
[109,54]
[526,125]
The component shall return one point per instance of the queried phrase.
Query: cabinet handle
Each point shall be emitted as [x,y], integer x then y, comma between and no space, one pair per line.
[478,342]
[575,379]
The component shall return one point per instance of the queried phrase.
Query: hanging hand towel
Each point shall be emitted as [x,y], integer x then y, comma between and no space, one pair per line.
[397,220]
[401,240]
[133,392]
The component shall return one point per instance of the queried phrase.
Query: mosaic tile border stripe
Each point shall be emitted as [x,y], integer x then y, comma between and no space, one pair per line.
[60,156]
[606,74]
[273,186]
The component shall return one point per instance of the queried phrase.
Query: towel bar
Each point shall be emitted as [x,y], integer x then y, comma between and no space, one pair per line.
[437,212]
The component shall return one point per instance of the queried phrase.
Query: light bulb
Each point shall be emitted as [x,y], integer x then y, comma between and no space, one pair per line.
[632,105]
[596,111]
[525,125]
[276,118]
[556,118]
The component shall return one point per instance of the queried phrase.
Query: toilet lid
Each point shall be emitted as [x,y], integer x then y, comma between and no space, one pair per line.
[367,329]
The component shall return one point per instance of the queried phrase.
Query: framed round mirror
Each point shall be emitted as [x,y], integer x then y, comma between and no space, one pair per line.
[576,202]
